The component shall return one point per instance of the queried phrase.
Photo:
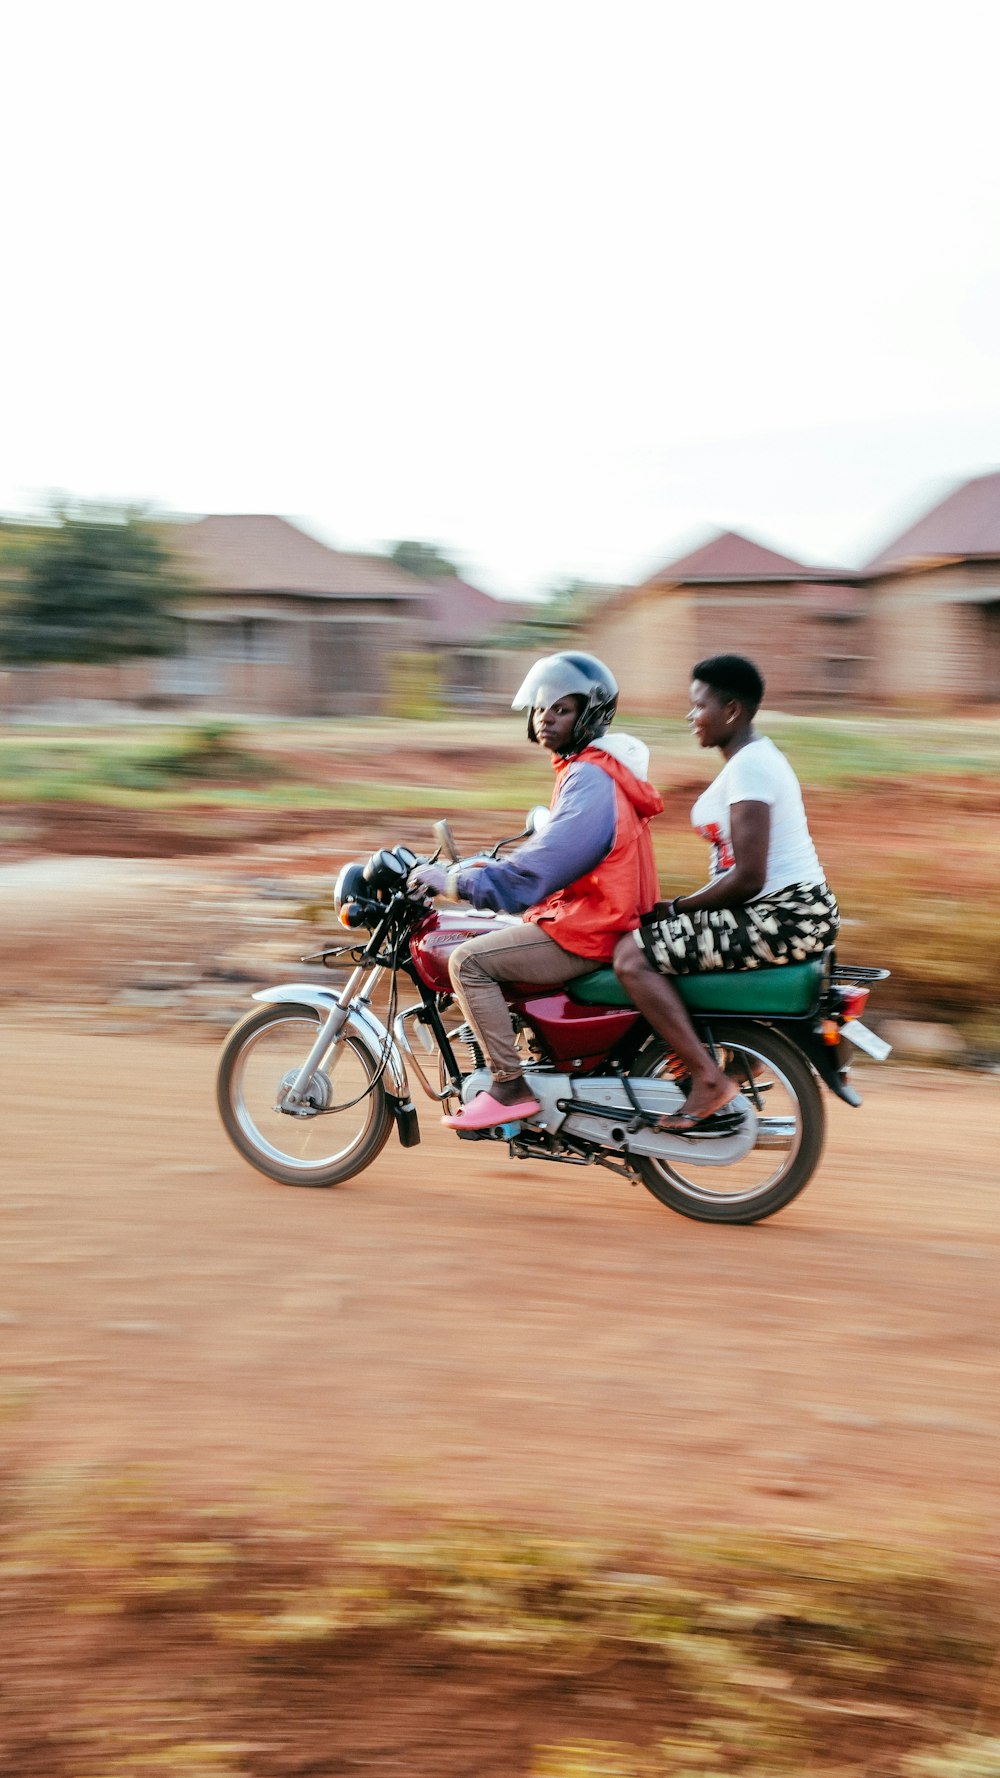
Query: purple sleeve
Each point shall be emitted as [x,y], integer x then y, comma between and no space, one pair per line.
[581,833]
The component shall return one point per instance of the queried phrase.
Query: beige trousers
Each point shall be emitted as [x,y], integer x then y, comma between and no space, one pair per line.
[522,953]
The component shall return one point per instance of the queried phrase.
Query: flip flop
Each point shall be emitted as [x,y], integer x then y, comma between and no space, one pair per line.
[721,1122]
[484,1113]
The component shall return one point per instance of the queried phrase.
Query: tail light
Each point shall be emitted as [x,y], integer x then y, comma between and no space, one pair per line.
[851,1002]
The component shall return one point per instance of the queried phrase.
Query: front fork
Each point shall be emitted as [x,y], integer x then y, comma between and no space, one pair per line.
[329,1032]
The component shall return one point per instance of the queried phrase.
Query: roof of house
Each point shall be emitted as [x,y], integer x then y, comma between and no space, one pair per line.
[729,556]
[463,613]
[966,523]
[261,553]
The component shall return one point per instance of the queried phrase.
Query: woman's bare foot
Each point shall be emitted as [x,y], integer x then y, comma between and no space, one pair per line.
[703,1101]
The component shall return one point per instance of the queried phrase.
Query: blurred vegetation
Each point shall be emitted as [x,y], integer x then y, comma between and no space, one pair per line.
[852,749]
[416,687]
[210,754]
[556,620]
[89,585]
[904,811]
[428,561]
[138,1636]
[338,757]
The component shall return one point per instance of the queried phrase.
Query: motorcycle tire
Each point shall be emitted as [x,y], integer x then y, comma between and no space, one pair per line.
[335,1140]
[791,1124]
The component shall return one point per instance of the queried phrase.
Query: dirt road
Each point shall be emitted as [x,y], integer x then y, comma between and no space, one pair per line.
[457,1333]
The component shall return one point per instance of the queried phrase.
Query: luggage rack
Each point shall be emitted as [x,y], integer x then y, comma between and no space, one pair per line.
[857,973]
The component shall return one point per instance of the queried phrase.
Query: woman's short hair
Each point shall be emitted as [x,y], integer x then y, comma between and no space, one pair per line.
[733,677]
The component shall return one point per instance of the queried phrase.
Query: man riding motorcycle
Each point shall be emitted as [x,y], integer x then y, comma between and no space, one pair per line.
[580,884]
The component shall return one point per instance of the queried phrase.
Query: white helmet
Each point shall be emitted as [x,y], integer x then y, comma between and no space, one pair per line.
[565,675]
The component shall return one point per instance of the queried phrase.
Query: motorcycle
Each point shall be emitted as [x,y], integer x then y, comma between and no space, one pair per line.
[312,1083]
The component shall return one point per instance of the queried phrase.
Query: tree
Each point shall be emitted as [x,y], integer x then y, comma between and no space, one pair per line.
[426,560]
[556,620]
[90,586]
[570,602]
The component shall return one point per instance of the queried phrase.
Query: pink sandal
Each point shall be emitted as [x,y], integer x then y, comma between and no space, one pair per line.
[484,1113]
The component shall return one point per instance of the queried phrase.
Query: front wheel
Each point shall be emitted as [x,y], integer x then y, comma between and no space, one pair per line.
[791,1124]
[346,1121]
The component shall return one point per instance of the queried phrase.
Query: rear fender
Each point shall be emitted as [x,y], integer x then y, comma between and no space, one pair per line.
[830,1060]
[361,1020]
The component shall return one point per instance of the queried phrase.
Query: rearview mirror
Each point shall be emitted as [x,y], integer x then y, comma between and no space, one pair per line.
[446,841]
[537,819]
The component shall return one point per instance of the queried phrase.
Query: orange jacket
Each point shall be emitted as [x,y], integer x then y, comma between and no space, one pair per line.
[589,916]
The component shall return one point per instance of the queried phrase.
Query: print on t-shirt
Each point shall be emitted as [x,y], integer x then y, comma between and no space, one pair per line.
[723,856]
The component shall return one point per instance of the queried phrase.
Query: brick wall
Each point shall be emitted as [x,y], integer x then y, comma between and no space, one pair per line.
[935,636]
[813,650]
[649,642]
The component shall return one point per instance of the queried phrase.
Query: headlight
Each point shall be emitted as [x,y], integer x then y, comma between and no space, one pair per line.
[350,886]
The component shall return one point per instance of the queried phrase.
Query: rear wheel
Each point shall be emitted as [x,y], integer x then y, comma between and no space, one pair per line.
[347,1119]
[791,1123]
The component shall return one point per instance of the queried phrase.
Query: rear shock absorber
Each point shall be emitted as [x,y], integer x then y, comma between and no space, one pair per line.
[674,1067]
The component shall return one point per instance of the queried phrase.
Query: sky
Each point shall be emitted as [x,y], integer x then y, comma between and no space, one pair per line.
[563,286]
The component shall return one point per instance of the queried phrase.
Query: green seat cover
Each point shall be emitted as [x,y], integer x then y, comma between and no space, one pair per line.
[790,989]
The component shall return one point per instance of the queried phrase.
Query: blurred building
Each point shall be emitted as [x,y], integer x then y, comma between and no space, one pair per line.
[918,626]
[281,624]
[473,636]
[285,625]
[807,627]
[934,595]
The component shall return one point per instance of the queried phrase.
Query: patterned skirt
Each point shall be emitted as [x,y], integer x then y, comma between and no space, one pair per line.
[787,927]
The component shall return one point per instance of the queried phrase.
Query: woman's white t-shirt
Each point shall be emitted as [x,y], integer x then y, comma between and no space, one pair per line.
[760,773]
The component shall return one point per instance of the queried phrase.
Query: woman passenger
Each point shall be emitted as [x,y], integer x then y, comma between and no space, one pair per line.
[766,902]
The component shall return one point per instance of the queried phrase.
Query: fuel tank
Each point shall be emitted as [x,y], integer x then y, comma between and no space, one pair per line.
[433,941]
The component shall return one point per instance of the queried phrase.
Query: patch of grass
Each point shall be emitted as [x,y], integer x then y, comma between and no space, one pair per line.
[974,1756]
[593,1759]
[849,749]
[199,1640]
[87,769]
[352,758]
[904,813]
[970,1757]
[210,753]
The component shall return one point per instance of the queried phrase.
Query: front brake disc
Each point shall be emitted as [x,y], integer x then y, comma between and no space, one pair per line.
[316,1099]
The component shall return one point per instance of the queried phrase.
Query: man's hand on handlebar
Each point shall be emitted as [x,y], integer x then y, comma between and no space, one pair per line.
[427,879]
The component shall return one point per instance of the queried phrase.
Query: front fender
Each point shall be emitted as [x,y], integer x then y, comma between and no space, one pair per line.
[360,1019]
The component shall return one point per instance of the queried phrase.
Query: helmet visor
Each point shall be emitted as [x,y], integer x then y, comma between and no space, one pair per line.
[553,677]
